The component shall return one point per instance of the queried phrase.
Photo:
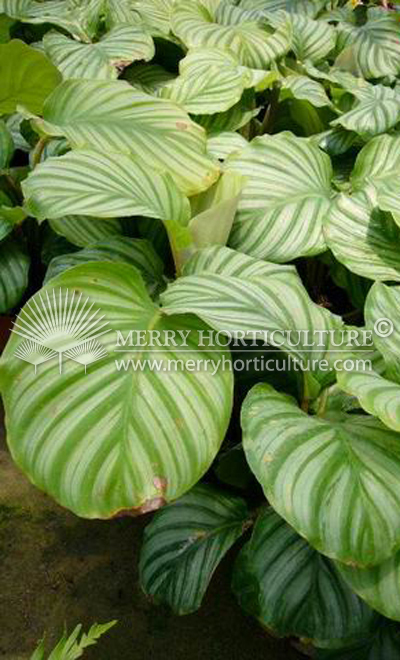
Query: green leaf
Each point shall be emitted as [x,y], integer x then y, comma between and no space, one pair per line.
[123,441]
[294,590]
[184,544]
[334,480]
[375,46]
[363,238]
[6,145]
[100,185]
[71,648]
[27,77]
[102,60]
[377,110]
[14,268]
[136,252]
[378,585]
[383,304]
[285,199]
[214,210]
[83,231]
[243,297]
[199,23]
[10,216]
[112,116]
[312,40]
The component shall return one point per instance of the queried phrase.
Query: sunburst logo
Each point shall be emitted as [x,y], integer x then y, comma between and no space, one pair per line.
[60,324]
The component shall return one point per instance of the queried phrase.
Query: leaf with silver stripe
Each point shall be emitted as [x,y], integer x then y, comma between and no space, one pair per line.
[111,116]
[286,197]
[14,269]
[184,544]
[292,589]
[335,480]
[116,441]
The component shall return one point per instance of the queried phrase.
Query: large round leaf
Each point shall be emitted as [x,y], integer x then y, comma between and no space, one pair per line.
[335,480]
[185,542]
[285,199]
[83,230]
[113,116]
[115,440]
[293,589]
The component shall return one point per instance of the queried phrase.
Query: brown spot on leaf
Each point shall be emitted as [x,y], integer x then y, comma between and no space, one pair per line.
[182,125]
[160,483]
[149,505]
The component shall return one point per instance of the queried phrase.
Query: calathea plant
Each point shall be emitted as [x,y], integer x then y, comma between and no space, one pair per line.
[210,168]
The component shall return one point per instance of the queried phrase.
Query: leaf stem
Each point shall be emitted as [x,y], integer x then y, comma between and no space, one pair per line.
[38,151]
[270,113]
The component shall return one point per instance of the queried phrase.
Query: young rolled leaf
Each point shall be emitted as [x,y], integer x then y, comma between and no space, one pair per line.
[27,77]
[101,60]
[334,480]
[186,541]
[293,589]
[115,440]
[285,199]
[111,116]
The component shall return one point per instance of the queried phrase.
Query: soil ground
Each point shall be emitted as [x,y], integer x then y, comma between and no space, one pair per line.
[57,569]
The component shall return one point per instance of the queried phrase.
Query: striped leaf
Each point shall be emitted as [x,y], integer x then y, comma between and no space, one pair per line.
[107,186]
[112,116]
[14,269]
[155,14]
[375,47]
[312,40]
[335,141]
[212,90]
[335,480]
[305,89]
[377,162]
[384,642]
[83,231]
[222,145]
[114,440]
[150,78]
[285,199]
[379,586]
[383,302]
[294,590]
[377,395]
[199,23]
[74,17]
[136,252]
[102,60]
[27,77]
[377,110]
[363,238]
[244,297]
[231,120]
[388,197]
[184,544]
